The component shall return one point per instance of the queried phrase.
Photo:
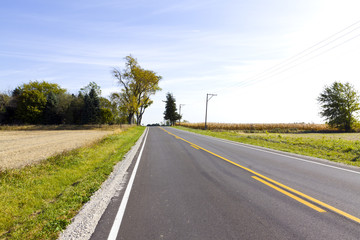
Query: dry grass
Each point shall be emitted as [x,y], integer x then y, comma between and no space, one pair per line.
[20,148]
[273,127]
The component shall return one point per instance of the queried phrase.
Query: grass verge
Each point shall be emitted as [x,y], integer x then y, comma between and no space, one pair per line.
[37,202]
[333,147]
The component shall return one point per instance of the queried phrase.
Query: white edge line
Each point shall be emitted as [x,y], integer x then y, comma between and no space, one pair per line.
[275,153]
[119,216]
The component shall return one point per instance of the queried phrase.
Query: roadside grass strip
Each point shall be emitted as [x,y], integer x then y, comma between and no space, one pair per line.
[336,147]
[39,201]
[279,186]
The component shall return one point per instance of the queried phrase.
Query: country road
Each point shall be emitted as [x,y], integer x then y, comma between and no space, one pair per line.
[189,186]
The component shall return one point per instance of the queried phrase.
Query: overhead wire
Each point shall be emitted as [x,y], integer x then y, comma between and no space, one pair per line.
[284,66]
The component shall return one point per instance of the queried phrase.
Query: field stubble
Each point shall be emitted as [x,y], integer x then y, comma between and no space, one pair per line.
[21,148]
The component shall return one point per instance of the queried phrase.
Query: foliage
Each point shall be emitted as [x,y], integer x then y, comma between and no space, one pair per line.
[4,102]
[138,85]
[339,104]
[118,109]
[75,110]
[51,115]
[39,201]
[106,116]
[171,113]
[31,100]
[92,85]
[91,113]
[47,103]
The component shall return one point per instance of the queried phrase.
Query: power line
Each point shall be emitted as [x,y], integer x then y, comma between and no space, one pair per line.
[309,59]
[284,66]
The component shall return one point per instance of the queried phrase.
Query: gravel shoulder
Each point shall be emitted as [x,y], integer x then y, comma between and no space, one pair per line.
[22,148]
[84,223]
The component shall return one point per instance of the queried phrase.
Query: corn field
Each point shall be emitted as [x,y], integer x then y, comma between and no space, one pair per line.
[271,127]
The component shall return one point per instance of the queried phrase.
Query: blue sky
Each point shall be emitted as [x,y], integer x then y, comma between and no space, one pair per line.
[217,46]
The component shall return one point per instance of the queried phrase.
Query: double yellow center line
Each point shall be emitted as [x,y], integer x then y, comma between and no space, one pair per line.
[290,192]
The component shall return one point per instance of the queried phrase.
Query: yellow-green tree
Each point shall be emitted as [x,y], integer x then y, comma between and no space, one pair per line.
[32,98]
[138,85]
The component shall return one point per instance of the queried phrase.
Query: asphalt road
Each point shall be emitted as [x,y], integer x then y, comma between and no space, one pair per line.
[189,186]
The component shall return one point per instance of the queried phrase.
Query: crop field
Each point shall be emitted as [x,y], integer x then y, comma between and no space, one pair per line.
[273,127]
[20,148]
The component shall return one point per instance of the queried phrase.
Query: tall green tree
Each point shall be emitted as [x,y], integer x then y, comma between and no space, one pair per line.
[91,113]
[138,85]
[50,113]
[339,104]
[107,113]
[31,100]
[9,105]
[4,102]
[75,110]
[91,85]
[171,113]
[118,108]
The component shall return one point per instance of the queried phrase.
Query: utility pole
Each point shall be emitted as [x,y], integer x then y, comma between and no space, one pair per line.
[207,100]
[180,112]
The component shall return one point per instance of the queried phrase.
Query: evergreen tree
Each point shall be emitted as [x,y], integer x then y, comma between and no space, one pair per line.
[50,114]
[91,111]
[75,110]
[170,109]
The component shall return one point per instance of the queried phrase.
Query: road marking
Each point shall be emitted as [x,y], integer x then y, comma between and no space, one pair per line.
[272,152]
[290,195]
[338,211]
[119,216]
[194,146]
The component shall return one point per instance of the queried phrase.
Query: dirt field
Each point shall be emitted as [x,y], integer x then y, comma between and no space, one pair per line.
[21,148]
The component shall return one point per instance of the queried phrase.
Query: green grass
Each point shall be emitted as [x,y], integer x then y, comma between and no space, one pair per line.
[37,202]
[337,147]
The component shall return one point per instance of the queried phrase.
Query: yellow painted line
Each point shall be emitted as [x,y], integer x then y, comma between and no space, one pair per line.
[290,195]
[331,208]
[196,147]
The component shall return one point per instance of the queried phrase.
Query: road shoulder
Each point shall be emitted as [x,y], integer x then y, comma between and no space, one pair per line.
[85,222]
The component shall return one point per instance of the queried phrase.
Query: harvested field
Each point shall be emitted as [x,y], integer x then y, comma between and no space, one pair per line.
[21,148]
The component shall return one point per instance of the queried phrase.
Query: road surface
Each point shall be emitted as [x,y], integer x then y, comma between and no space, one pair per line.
[189,186]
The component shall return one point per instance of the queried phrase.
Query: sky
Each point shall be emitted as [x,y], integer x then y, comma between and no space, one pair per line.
[267,60]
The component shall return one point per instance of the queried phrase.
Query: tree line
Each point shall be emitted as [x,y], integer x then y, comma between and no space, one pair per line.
[48,103]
